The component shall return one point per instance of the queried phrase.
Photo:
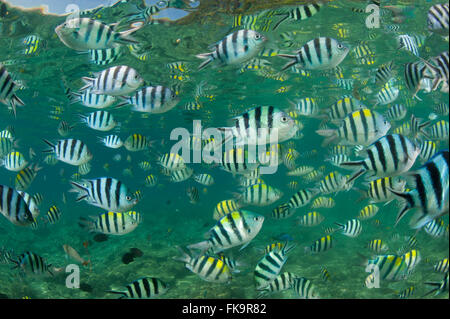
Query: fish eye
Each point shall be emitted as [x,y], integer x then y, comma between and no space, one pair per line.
[128,198]
[257,36]
[284,119]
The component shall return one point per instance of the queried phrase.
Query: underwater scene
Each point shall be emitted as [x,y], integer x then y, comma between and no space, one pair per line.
[219,149]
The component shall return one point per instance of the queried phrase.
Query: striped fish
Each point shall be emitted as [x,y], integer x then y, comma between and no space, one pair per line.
[151,180]
[30,262]
[31,203]
[380,189]
[336,160]
[441,266]
[396,112]
[310,219]
[318,54]
[408,43]
[234,229]
[441,286]
[416,78]
[412,259]
[438,67]
[110,223]
[269,267]
[100,121]
[256,127]
[304,288]
[439,131]
[342,107]
[105,192]
[112,141]
[359,127]
[90,99]
[282,282]
[306,107]
[351,228]
[204,179]
[390,267]
[368,212]
[321,244]
[391,155]
[25,177]
[282,212]
[430,193]
[332,183]
[325,202]
[238,161]
[7,90]
[435,228]
[84,34]
[299,13]
[260,195]
[301,198]
[180,175]
[225,207]
[116,80]
[208,268]
[172,162]
[388,93]
[377,245]
[14,161]
[14,207]
[406,293]
[300,171]
[437,19]
[143,288]
[70,151]
[64,128]
[152,99]
[235,48]
[273,247]
[136,142]
[105,56]
[384,73]
[53,214]
[442,109]
[144,14]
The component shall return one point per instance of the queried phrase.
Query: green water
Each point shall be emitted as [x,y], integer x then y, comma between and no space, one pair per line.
[169,219]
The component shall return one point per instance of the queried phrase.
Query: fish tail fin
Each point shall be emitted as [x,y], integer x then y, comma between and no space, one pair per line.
[15,100]
[208,57]
[435,285]
[203,246]
[279,22]
[88,81]
[288,247]
[79,189]
[52,146]
[330,135]
[409,203]
[122,293]
[86,224]
[293,61]
[125,37]
[354,164]
[184,257]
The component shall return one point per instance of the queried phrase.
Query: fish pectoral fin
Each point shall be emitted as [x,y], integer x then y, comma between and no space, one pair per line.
[81,198]
[243,246]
